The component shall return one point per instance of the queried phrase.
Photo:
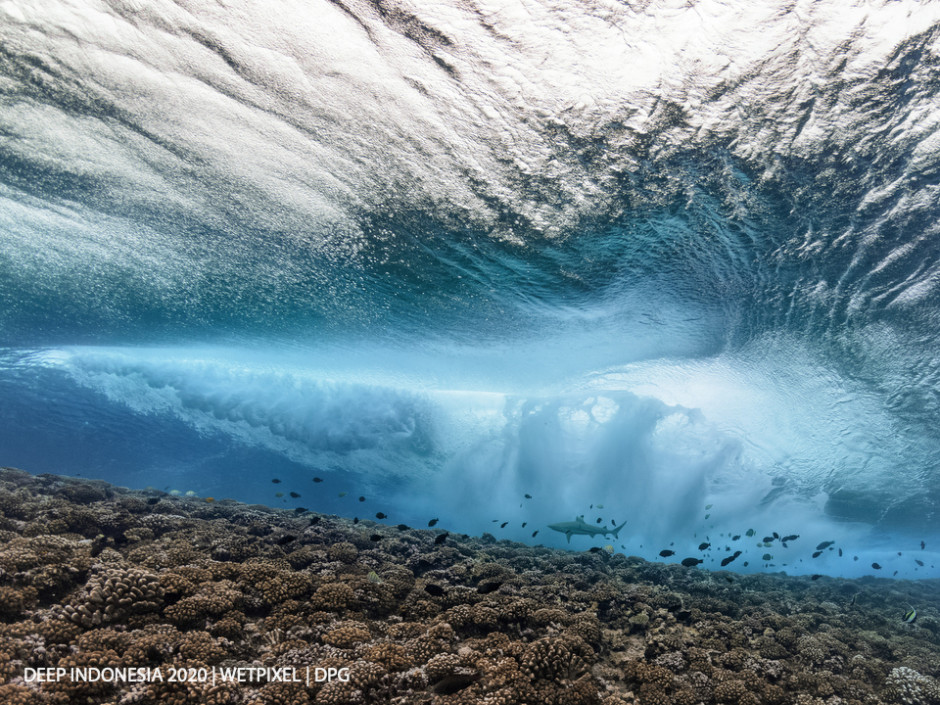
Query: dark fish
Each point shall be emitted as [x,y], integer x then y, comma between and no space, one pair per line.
[920,563]
[375,537]
[876,566]
[824,545]
[534,533]
[403,527]
[286,539]
[433,522]
[736,537]
[776,535]
[922,545]
[599,520]
[503,525]
[854,558]
[726,561]
[665,553]
[815,576]
[355,520]
[767,557]
[381,515]
[768,539]
[524,523]
[690,562]
[314,520]
[362,499]
[300,510]
[441,538]
[703,546]
[745,564]
[528,496]
[318,479]
[294,495]
[817,554]
[613,523]
[276,481]
[595,549]
[894,573]
[435,590]
[153,500]
[840,553]
[729,578]
[791,537]
[487,588]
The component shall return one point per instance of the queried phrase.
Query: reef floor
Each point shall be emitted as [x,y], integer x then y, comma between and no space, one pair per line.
[110,595]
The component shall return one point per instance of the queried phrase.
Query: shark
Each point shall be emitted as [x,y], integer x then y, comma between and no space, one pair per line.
[579,526]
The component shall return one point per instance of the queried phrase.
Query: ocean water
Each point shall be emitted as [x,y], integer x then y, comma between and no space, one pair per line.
[674,264]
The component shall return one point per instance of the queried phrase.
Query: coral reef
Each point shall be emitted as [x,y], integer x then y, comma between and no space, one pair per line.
[99,577]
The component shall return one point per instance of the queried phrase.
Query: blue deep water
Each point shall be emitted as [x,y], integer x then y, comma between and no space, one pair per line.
[674,264]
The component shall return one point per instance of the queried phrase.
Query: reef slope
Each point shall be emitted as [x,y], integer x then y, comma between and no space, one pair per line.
[93,575]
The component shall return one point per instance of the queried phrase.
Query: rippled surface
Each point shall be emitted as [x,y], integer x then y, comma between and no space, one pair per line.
[667,255]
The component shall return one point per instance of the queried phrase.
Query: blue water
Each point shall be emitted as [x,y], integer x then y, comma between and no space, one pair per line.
[684,280]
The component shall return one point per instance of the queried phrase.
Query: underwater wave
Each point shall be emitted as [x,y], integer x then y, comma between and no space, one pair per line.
[390,239]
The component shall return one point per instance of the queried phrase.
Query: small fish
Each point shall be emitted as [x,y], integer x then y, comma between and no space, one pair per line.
[210,500]
[599,506]
[278,494]
[665,553]
[613,523]
[920,563]
[503,525]
[736,537]
[375,537]
[435,590]
[817,554]
[524,523]
[691,562]
[300,510]
[528,496]
[702,546]
[487,588]
[707,507]
[729,578]
[355,520]
[707,515]
[294,495]
[749,533]
[776,535]
[153,500]
[441,538]
[191,493]
[286,539]
[876,566]
[374,578]
[768,539]
[922,545]
[342,494]
[318,479]
[433,522]
[609,549]
[910,616]
[175,493]
[767,557]
[745,564]
[534,533]
[362,499]
[599,520]
[726,561]
[275,481]
[824,545]
[381,515]
[815,576]
[402,527]
[791,537]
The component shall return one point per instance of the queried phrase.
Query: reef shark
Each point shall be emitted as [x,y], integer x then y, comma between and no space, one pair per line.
[579,526]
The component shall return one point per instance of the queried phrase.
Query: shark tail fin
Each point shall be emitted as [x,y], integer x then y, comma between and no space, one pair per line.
[617,530]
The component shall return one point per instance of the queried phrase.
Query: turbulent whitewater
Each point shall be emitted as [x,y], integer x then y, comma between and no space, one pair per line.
[653,256]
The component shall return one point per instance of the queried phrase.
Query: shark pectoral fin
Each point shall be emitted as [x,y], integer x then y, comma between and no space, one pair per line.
[568,534]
